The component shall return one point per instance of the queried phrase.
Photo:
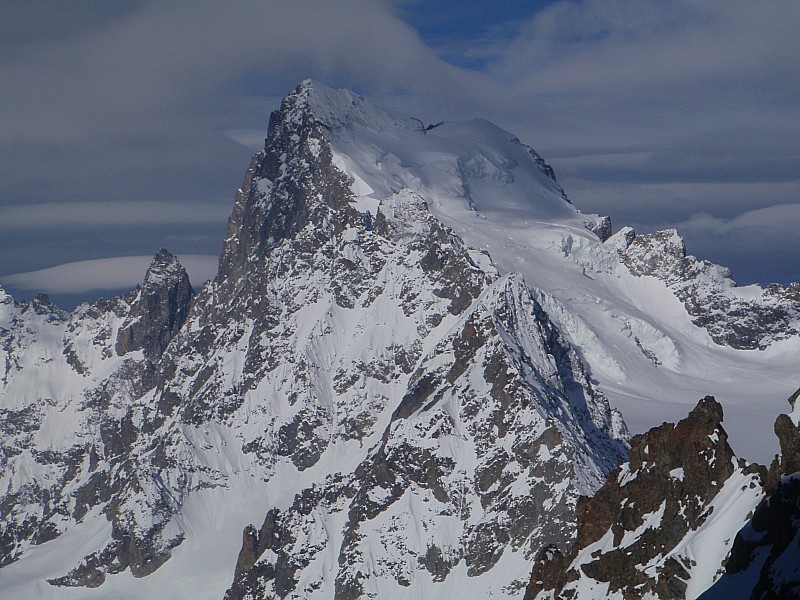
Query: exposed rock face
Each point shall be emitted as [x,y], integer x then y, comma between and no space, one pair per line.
[765,558]
[635,535]
[548,171]
[98,467]
[601,226]
[709,294]
[160,308]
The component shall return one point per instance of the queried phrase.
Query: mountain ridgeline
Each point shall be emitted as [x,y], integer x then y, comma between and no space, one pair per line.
[684,518]
[393,388]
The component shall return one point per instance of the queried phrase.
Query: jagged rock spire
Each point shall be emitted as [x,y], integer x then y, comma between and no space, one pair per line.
[290,183]
[160,308]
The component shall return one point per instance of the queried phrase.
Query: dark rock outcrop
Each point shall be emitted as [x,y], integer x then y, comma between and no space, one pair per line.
[290,184]
[159,310]
[601,227]
[765,559]
[644,511]
[547,171]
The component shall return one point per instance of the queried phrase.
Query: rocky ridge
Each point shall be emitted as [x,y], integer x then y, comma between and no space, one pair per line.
[70,455]
[764,562]
[461,387]
[646,532]
[742,321]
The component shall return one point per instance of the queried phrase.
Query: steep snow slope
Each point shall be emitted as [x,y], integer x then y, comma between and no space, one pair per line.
[654,327]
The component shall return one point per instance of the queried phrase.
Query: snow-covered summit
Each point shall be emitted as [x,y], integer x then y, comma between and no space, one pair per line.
[356,377]
[651,321]
[338,109]
[471,167]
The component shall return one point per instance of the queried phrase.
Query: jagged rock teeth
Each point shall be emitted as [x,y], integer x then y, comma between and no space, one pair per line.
[160,308]
[633,534]
[704,288]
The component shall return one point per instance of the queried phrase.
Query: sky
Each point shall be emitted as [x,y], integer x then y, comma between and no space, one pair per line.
[126,126]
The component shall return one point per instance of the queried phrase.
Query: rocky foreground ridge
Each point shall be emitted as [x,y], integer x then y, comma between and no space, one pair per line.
[684,518]
[765,558]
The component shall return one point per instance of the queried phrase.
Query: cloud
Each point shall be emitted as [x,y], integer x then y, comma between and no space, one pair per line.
[662,77]
[135,104]
[762,244]
[117,273]
[126,114]
[648,110]
[249,138]
[111,213]
[640,47]
[655,111]
[782,220]
[659,202]
[167,56]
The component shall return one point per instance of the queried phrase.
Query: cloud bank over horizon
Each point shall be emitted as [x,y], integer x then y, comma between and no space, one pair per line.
[105,274]
[128,125]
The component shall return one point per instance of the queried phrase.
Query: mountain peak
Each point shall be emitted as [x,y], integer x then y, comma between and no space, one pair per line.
[164,268]
[333,108]
[159,310]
